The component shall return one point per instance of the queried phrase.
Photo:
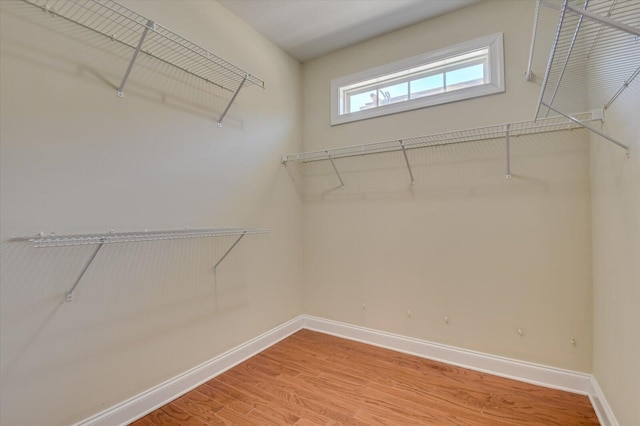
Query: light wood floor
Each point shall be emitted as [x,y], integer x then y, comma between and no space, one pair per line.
[315,379]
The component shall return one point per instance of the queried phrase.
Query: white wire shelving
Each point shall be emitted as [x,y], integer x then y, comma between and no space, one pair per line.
[506,131]
[122,25]
[594,57]
[98,240]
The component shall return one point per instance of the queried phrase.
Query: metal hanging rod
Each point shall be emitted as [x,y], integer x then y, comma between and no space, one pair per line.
[120,24]
[507,131]
[130,237]
[596,50]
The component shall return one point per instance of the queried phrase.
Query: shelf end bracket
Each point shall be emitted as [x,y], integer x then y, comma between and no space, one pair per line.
[233,98]
[150,25]
[507,135]
[406,160]
[335,169]
[70,293]
[215,267]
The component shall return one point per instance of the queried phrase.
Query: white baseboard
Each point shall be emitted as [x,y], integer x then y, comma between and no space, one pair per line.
[141,404]
[537,374]
[601,405]
[572,381]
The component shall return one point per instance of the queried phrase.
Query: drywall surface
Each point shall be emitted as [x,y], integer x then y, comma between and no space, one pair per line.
[78,159]
[463,257]
[615,184]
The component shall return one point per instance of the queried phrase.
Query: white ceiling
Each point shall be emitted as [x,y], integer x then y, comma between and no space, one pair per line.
[310,28]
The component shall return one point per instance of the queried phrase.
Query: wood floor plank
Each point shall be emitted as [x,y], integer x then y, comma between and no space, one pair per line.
[201,406]
[273,395]
[235,418]
[312,378]
[173,416]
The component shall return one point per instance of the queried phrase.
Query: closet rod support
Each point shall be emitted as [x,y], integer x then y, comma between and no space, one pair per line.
[597,132]
[607,21]
[529,73]
[86,266]
[507,135]
[624,86]
[215,267]
[150,25]
[406,159]
[233,98]
[335,169]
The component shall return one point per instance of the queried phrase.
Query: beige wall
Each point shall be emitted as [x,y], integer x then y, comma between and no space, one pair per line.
[615,189]
[492,255]
[75,158]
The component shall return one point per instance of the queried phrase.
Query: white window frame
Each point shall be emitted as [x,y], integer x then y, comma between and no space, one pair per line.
[495,83]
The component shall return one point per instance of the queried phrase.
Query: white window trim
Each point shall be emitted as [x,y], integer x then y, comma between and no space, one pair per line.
[496,80]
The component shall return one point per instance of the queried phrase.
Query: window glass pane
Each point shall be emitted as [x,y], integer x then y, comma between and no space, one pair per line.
[427,86]
[392,94]
[360,102]
[465,77]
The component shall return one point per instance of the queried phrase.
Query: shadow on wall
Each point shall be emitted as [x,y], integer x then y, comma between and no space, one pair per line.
[67,49]
[153,290]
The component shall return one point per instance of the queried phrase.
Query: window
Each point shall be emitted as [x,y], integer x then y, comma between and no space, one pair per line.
[463,71]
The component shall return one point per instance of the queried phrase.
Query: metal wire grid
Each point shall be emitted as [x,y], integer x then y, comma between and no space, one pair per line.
[591,56]
[460,136]
[120,24]
[129,237]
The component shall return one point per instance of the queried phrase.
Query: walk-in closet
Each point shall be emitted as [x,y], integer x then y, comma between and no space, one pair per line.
[319,212]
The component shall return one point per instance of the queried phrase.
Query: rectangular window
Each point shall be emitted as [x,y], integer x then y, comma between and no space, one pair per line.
[463,71]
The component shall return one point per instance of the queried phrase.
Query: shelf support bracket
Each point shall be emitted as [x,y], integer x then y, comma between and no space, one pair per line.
[529,73]
[507,135]
[624,86]
[215,267]
[150,25]
[597,132]
[86,266]
[406,159]
[335,169]
[233,98]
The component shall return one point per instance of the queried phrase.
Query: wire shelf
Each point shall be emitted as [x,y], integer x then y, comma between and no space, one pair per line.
[551,124]
[99,240]
[592,54]
[122,25]
[130,237]
[594,57]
